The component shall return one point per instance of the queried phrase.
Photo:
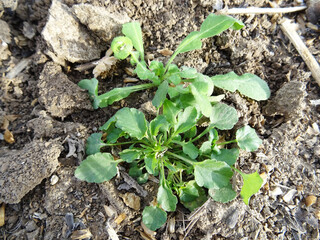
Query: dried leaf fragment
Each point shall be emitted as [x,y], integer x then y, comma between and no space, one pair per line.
[165,52]
[120,218]
[310,200]
[2,215]
[81,234]
[131,200]
[8,137]
[104,65]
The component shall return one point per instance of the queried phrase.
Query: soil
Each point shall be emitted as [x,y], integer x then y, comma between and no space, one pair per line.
[45,119]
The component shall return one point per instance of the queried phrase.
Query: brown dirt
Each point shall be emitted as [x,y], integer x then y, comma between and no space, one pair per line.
[54,115]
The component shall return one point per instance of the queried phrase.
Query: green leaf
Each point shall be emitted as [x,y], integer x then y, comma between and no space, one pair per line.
[189,192]
[212,25]
[121,47]
[143,178]
[223,116]
[135,171]
[105,127]
[203,101]
[117,94]
[151,164]
[205,147]
[212,174]
[91,85]
[97,168]
[157,68]
[248,84]
[153,217]
[114,134]
[174,78]
[199,201]
[160,122]
[229,156]
[203,84]
[247,139]
[94,143]
[191,133]
[166,198]
[254,87]
[251,185]
[173,74]
[129,155]
[190,149]
[133,31]
[161,94]
[188,72]
[145,74]
[170,111]
[187,100]
[223,195]
[132,121]
[186,120]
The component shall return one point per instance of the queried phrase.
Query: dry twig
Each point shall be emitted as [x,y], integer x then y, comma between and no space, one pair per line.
[289,30]
[255,10]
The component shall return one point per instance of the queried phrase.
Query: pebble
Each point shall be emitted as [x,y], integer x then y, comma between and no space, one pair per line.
[310,200]
[289,195]
[276,192]
[54,179]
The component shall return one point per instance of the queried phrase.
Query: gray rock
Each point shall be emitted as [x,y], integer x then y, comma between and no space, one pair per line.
[289,101]
[67,37]
[22,170]
[58,94]
[29,30]
[9,4]
[5,34]
[104,24]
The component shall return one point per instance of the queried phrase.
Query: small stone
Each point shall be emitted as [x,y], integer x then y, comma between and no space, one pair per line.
[131,200]
[54,179]
[103,23]
[68,38]
[232,218]
[313,11]
[289,101]
[289,195]
[28,30]
[31,226]
[5,34]
[276,192]
[310,200]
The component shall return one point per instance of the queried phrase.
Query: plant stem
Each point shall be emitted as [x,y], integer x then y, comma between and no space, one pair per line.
[117,144]
[203,133]
[227,142]
[181,158]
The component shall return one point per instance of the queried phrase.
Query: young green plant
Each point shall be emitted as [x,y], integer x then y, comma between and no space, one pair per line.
[190,164]
[169,79]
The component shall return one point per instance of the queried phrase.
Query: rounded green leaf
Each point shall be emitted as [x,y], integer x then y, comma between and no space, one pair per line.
[223,116]
[153,217]
[251,185]
[189,192]
[229,156]
[190,149]
[94,143]
[212,174]
[121,47]
[166,198]
[97,168]
[223,195]
[131,121]
[129,155]
[248,139]
[254,87]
